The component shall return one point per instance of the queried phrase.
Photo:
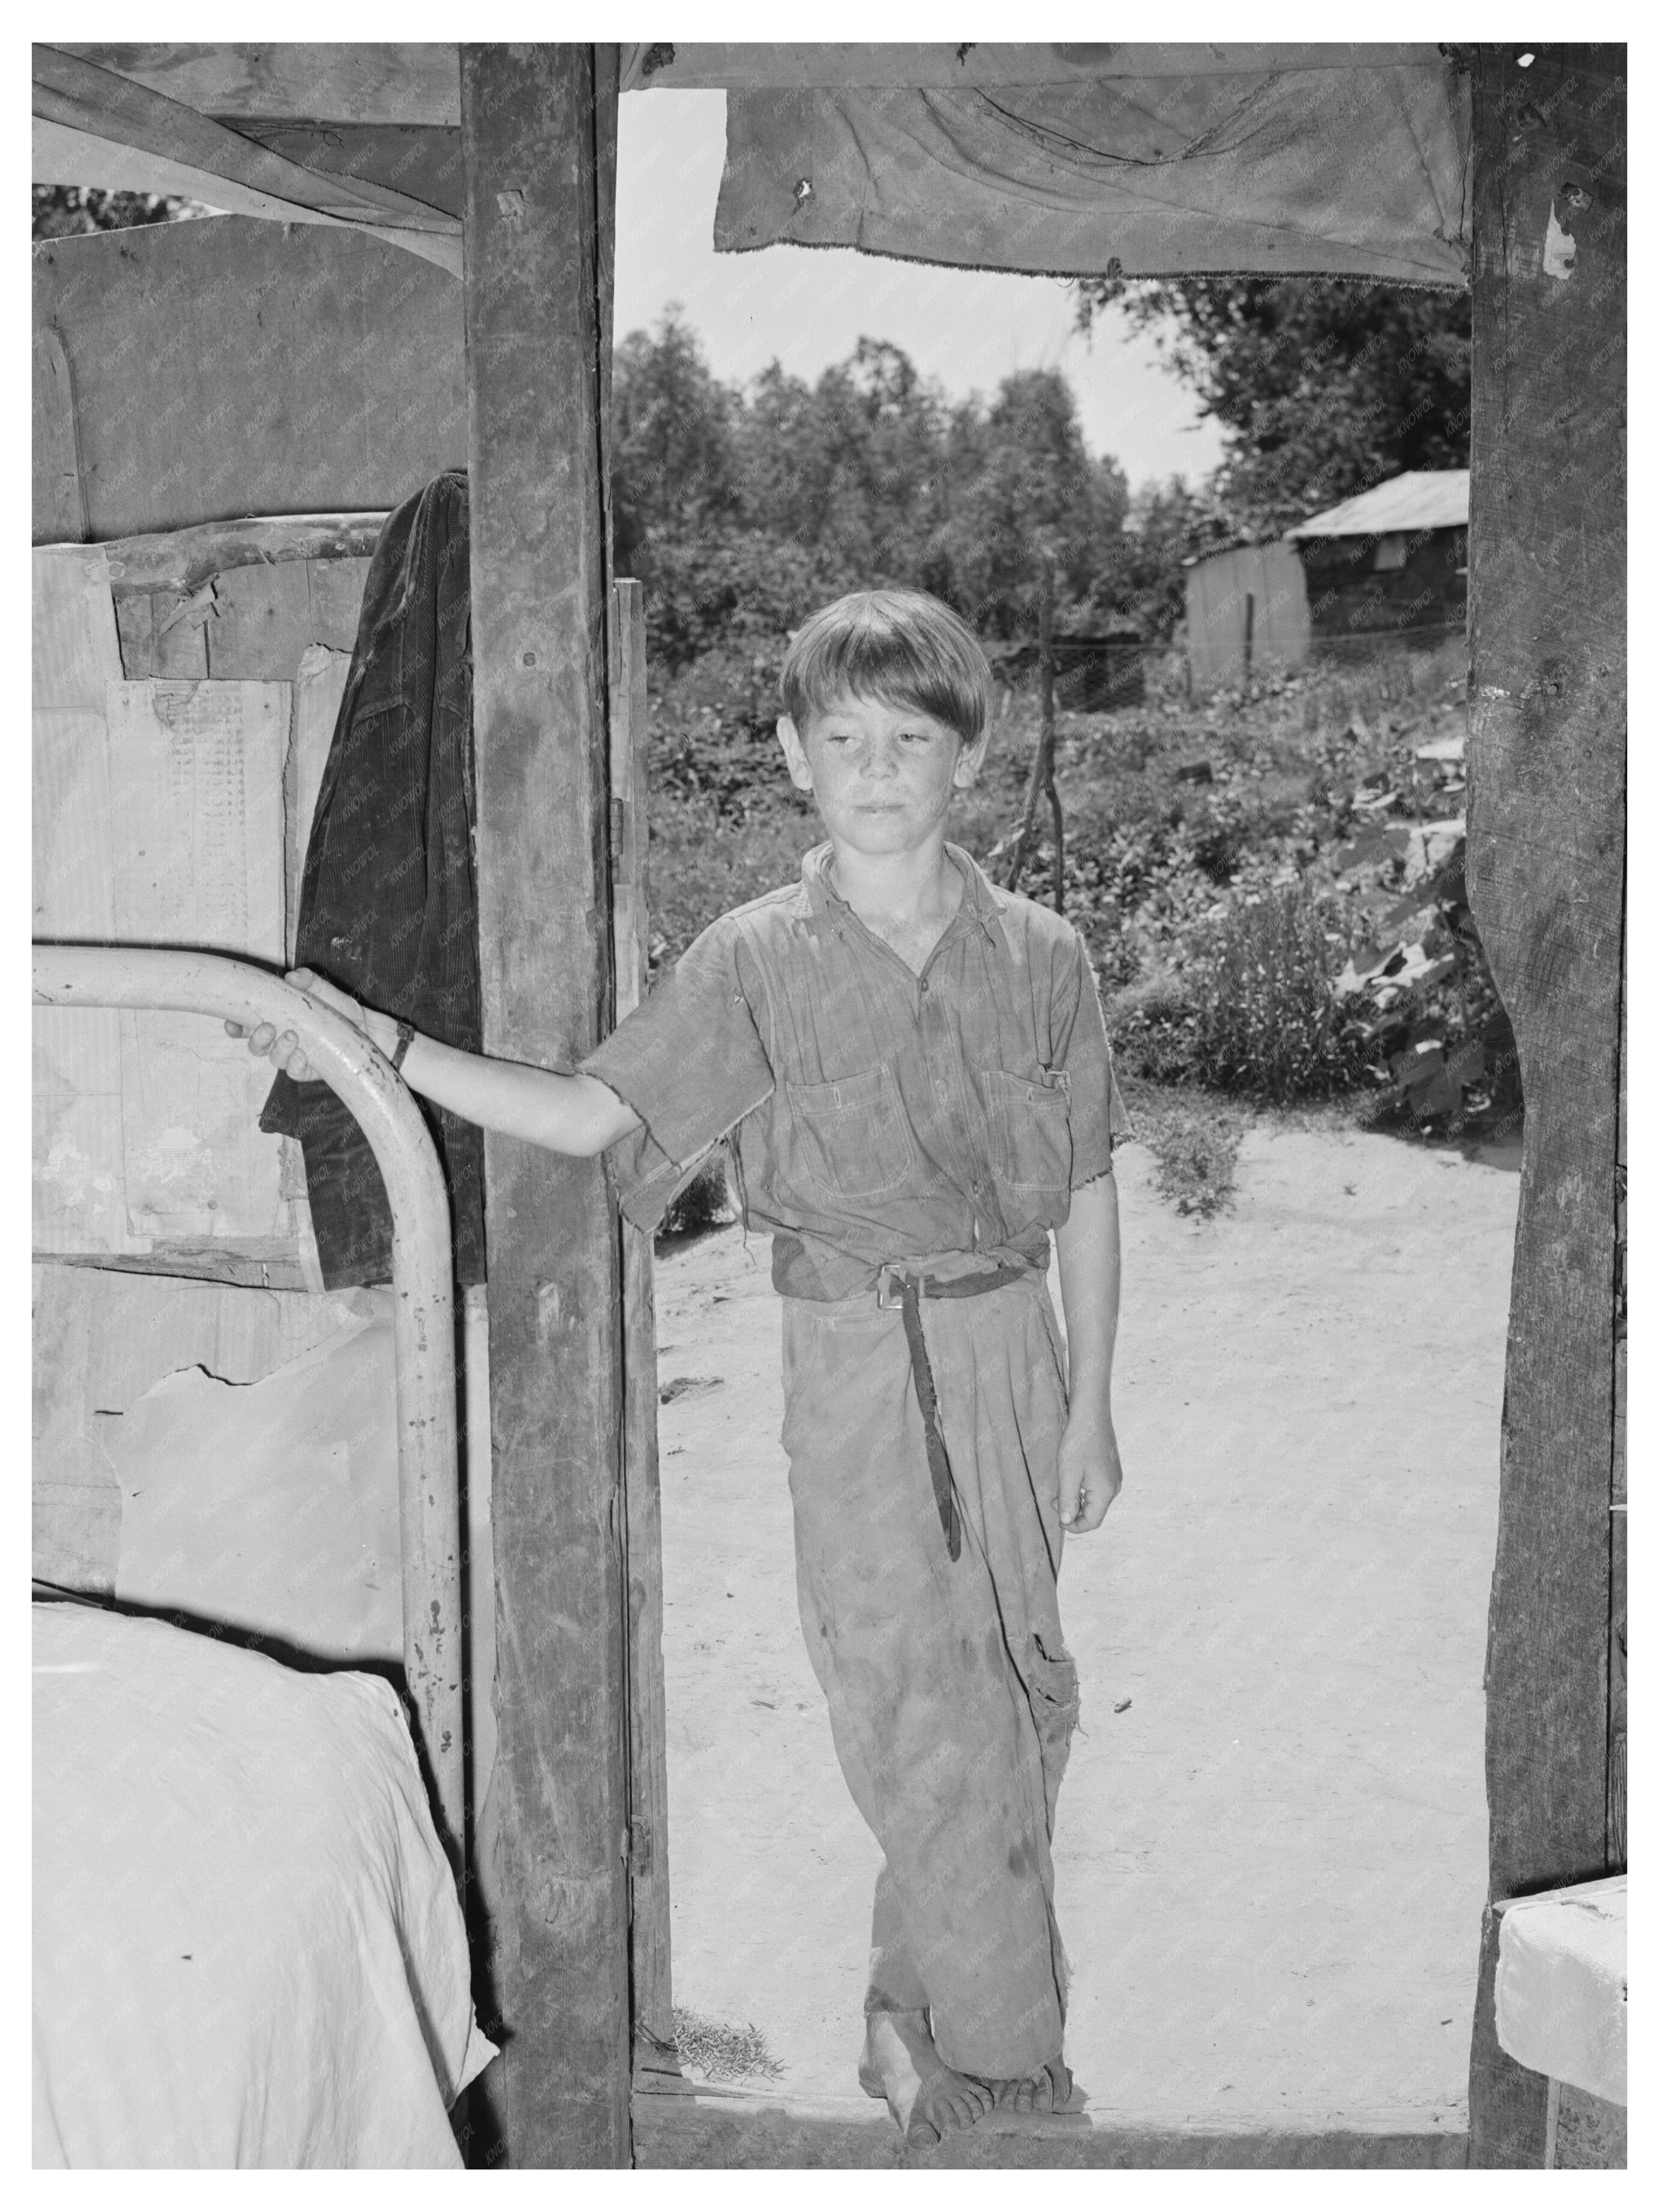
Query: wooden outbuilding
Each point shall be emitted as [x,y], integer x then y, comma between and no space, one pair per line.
[416,270]
[1247,612]
[1391,564]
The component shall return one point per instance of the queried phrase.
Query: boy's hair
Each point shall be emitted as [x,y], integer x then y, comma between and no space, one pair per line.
[906,647]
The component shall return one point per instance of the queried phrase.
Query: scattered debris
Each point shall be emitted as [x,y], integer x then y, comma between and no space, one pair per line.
[682,1386]
[1123,1704]
[1388,976]
[720,2052]
[1452,748]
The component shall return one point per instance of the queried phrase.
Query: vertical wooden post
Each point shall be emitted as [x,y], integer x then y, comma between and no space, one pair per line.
[1042,760]
[537,128]
[1617,1713]
[1545,875]
[656,2063]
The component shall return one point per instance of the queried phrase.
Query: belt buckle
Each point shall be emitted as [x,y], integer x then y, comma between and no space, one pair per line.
[888,1290]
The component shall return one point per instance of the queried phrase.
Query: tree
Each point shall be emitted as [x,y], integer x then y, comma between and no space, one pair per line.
[67,210]
[1027,492]
[673,465]
[739,512]
[1143,581]
[1324,386]
[851,468]
[682,507]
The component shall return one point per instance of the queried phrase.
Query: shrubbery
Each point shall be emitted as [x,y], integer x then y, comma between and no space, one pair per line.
[1227,861]
[1253,1011]
[1249,872]
[740,510]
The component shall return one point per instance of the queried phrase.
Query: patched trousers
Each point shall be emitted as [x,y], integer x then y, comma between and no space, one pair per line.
[951,1697]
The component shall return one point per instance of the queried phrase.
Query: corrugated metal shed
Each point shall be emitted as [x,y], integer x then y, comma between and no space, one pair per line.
[1246,610]
[1422,499]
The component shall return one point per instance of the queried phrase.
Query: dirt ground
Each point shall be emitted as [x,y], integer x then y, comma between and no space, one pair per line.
[1270,1841]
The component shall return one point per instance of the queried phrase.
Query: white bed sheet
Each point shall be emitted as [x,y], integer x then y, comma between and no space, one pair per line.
[248,1949]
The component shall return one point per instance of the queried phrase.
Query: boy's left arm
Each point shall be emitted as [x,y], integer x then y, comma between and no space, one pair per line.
[1090,1472]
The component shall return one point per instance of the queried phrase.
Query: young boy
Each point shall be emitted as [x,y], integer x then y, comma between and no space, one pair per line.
[912,1070]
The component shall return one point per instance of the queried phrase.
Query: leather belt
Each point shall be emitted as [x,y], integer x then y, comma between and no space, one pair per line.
[912,1289]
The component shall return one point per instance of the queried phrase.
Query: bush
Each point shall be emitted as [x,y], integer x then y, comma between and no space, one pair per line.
[1252,1010]
[1266,1021]
[1223,860]
[1193,1139]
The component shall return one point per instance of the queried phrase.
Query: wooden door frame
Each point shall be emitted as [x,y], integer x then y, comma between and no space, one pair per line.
[1545,876]
[538,138]
[575,1835]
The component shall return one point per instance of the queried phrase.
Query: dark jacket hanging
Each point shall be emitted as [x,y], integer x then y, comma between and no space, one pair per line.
[388,909]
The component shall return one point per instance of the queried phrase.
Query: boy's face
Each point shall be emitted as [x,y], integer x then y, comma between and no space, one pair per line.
[882,775]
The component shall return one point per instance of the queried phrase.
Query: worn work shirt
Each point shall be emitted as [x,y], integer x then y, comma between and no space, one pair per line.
[877,1114]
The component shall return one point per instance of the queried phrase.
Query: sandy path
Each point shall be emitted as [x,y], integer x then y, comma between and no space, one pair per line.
[1270,1864]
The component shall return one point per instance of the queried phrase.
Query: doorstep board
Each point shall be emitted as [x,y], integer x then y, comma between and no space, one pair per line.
[713,2128]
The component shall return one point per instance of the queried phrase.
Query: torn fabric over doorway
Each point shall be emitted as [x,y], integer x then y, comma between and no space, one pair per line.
[1351,170]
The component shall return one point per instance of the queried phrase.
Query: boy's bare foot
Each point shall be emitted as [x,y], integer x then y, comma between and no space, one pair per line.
[925,2097]
[1047,2090]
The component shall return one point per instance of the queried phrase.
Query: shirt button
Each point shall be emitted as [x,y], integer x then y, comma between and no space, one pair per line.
[922,986]
[942,1089]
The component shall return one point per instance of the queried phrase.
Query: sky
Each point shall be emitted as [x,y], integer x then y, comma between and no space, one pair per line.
[968,328]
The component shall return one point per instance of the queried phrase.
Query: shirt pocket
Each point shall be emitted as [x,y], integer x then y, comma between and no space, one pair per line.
[850,1138]
[1030,1122]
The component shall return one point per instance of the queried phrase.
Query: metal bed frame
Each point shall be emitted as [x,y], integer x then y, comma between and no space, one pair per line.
[423,1323]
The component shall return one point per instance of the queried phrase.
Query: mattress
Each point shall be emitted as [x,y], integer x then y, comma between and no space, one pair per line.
[248,1949]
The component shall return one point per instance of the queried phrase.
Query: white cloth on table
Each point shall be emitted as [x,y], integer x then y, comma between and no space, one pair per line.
[1560,1993]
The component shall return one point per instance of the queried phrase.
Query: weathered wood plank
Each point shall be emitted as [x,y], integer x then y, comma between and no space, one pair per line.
[61,155]
[1545,871]
[253,623]
[135,624]
[318,688]
[712,2130]
[419,83]
[183,560]
[413,83]
[1618,1692]
[1589,2131]
[253,1263]
[535,121]
[654,2055]
[336,600]
[63,519]
[80,95]
[424,160]
[629,708]
[261,622]
[229,367]
[942,65]
[177,628]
